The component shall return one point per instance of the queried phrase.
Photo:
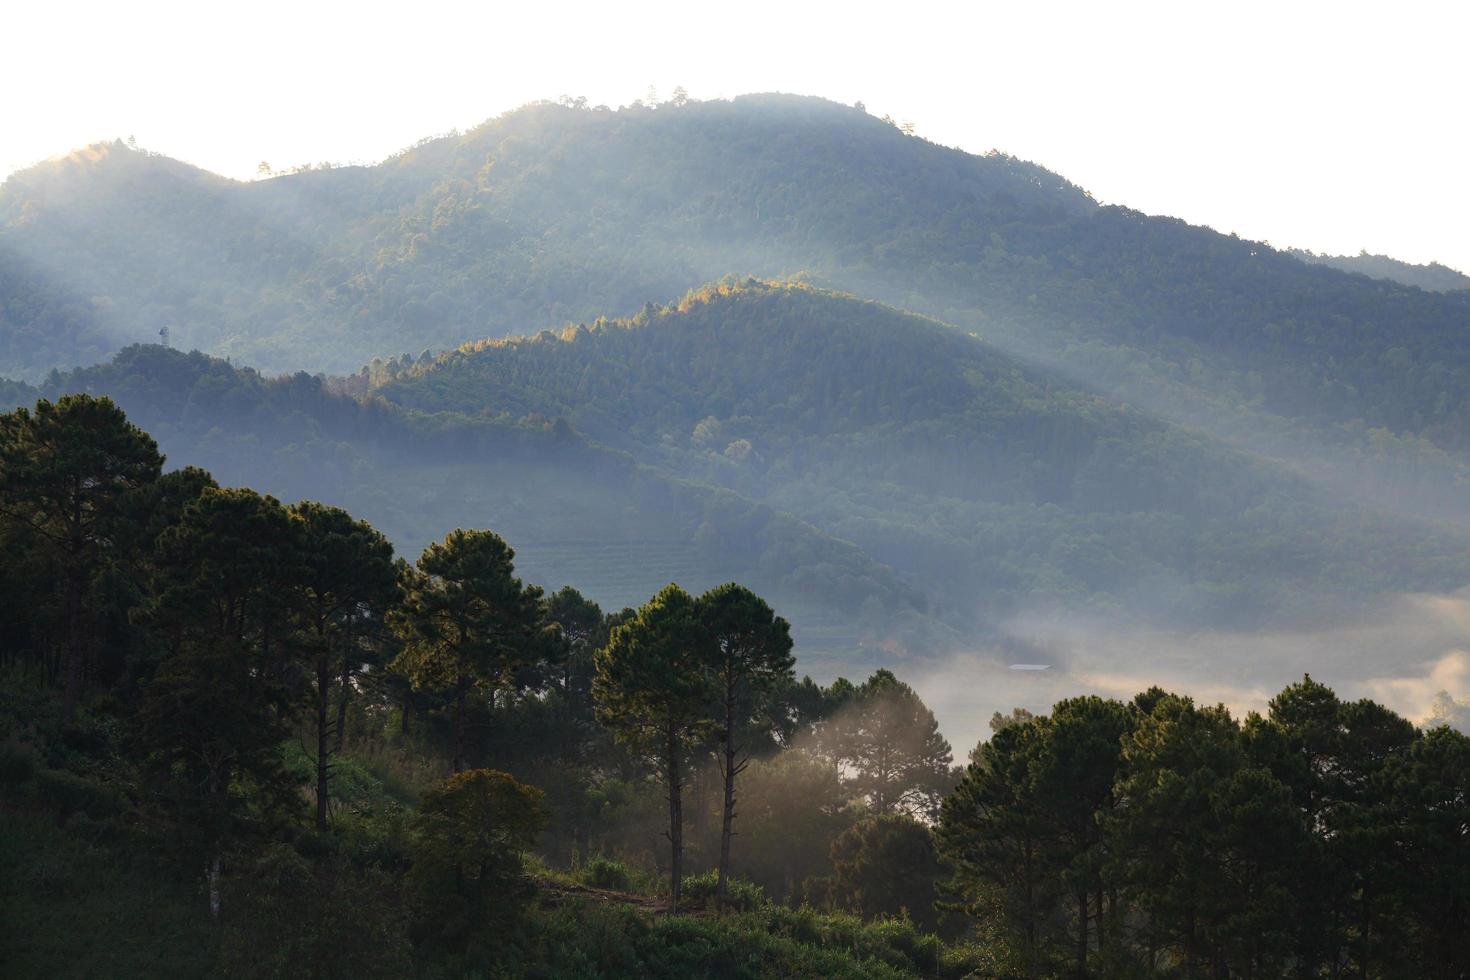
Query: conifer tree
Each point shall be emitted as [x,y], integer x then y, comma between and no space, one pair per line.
[65,471]
[653,686]
[752,659]
[466,620]
[349,582]
[890,740]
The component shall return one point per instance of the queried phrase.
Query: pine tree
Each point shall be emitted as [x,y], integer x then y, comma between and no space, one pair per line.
[752,659]
[654,686]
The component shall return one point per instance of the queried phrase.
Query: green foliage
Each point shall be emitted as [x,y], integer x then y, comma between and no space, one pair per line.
[290,918]
[213,715]
[1324,838]
[994,484]
[890,740]
[577,940]
[448,240]
[1433,276]
[66,471]
[883,440]
[703,891]
[349,584]
[467,882]
[653,680]
[18,763]
[466,619]
[508,227]
[887,866]
[74,903]
[1164,835]
[750,661]
[792,807]
[603,872]
[653,687]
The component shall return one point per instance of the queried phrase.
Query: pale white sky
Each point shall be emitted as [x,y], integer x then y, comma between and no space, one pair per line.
[1332,126]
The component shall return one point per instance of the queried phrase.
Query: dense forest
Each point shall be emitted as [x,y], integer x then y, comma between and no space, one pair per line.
[242,738]
[560,213]
[579,512]
[1433,276]
[895,484]
[991,485]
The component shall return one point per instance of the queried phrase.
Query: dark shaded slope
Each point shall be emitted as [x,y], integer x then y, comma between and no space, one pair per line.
[575,513]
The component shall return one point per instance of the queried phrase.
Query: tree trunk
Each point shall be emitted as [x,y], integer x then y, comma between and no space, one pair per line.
[461,692]
[1082,934]
[583,836]
[727,825]
[1365,932]
[1102,920]
[344,693]
[73,691]
[676,822]
[211,877]
[323,691]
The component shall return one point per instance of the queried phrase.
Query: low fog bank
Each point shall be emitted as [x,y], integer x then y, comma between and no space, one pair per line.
[1402,652]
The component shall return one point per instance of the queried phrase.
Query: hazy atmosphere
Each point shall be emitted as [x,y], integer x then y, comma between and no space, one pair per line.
[755,491]
[1325,126]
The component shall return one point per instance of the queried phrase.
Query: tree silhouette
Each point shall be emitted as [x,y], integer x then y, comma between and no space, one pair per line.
[466,620]
[653,687]
[752,659]
[65,470]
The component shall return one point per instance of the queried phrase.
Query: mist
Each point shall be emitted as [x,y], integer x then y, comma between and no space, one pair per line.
[1401,651]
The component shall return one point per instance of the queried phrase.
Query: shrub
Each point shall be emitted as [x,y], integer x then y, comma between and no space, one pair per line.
[18,763]
[603,872]
[468,877]
[69,793]
[740,895]
[289,917]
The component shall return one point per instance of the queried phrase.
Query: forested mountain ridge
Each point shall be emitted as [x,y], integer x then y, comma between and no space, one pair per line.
[540,215]
[993,486]
[845,456]
[1432,276]
[561,213]
[576,510]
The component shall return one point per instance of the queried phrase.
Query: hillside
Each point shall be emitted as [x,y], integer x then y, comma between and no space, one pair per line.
[472,235]
[893,482]
[573,511]
[1434,276]
[562,213]
[992,487]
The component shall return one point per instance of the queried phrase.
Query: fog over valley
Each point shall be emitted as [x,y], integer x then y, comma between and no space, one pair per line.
[1404,652]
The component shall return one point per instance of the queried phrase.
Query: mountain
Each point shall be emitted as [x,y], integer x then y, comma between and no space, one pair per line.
[575,513]
[559,213]
[545,214]
[893,484]
[992,487]
[1127,413]
[1434,276]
